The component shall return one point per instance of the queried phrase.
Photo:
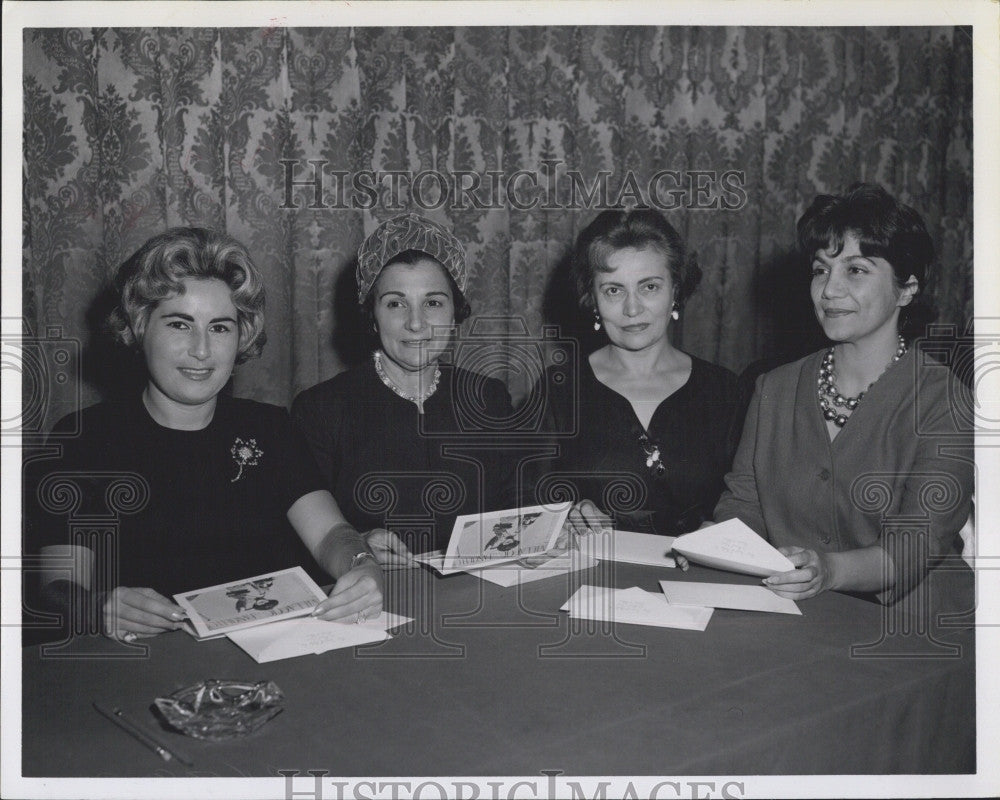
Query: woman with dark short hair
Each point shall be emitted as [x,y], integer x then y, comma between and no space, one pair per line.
[863,430]
[646,431]
[395,437]
[221,488]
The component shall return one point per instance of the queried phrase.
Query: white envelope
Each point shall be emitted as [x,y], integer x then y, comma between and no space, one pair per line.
[734,546]
[513,573]
[727,595]
[307,636]
[629,547]
[634,606]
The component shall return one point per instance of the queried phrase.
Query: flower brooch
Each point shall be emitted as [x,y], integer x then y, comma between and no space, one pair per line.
[245,454]
[652,451]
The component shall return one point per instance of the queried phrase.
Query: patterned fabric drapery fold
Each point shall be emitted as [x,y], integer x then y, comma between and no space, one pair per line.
[128,131]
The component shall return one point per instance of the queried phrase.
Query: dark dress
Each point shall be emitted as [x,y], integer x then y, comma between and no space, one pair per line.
[388,466]
[193,508]
[602,458]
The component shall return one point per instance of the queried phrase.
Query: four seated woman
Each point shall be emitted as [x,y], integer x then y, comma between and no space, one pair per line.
[233,488]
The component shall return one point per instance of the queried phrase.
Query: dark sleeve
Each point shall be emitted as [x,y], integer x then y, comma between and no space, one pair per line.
[551,420]
[41,525]
[315,422]
[504,493]
[294,469]
[44,526]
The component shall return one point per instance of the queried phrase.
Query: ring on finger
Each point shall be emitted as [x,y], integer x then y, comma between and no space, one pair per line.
[129,636]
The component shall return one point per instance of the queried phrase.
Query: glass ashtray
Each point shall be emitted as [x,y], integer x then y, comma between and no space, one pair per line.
[221,709]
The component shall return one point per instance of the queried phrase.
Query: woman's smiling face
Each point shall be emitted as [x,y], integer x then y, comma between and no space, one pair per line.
[190,342]
[856,296]
[411,301]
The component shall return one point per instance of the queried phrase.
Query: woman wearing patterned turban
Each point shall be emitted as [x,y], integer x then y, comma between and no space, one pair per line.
[388,434]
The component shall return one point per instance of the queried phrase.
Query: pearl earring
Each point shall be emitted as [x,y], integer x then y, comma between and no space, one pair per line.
[675,314]
[597,321]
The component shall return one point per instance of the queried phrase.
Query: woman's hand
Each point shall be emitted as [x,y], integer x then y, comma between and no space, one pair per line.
[129,613]
[388,549]
[812,574]
[356,596]
[585,517]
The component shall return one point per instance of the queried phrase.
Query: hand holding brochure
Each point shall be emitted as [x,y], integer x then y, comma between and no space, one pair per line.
[734,546]
[246,603]
[498,537]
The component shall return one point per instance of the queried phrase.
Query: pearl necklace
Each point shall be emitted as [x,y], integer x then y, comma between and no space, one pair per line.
[418,400]
[827,387]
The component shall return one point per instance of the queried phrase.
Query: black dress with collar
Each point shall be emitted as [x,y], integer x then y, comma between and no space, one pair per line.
[603,458]
[184,509]
[389,466]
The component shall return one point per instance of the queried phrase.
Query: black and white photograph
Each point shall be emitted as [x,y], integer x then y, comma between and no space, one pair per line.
[373,296]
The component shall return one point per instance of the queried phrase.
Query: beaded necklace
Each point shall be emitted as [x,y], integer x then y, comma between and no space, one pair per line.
[418,400]
[828,393]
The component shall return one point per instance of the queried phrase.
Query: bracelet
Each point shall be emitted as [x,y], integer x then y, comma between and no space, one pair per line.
[360,558]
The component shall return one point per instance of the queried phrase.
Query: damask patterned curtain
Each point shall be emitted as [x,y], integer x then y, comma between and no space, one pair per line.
[127,132]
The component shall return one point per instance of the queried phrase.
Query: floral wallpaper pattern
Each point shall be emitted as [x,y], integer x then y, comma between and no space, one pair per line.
[129,131]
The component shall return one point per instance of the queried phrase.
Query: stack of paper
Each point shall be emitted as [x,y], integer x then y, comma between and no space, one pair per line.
[301,637]
[734,546]
[727,595]
[629,547]
[523,571]
[519,572]
[634,606]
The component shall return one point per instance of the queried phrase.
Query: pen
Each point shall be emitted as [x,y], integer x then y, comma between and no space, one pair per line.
[118,717]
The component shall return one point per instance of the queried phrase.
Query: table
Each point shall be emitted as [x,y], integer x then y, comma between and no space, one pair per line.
[496,681]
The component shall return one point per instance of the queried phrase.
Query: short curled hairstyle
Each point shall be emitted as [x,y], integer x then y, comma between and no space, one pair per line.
[885,228]
[462,308]
[638,228]
[157,270]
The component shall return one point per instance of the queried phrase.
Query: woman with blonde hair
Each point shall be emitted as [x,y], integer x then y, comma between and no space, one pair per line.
[224,487]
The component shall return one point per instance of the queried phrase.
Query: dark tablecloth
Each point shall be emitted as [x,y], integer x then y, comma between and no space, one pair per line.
[495,681]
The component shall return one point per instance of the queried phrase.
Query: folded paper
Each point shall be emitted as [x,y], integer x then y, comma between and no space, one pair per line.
[308,636]
[629,547]
[734,546]
[727,595]
[634,606]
